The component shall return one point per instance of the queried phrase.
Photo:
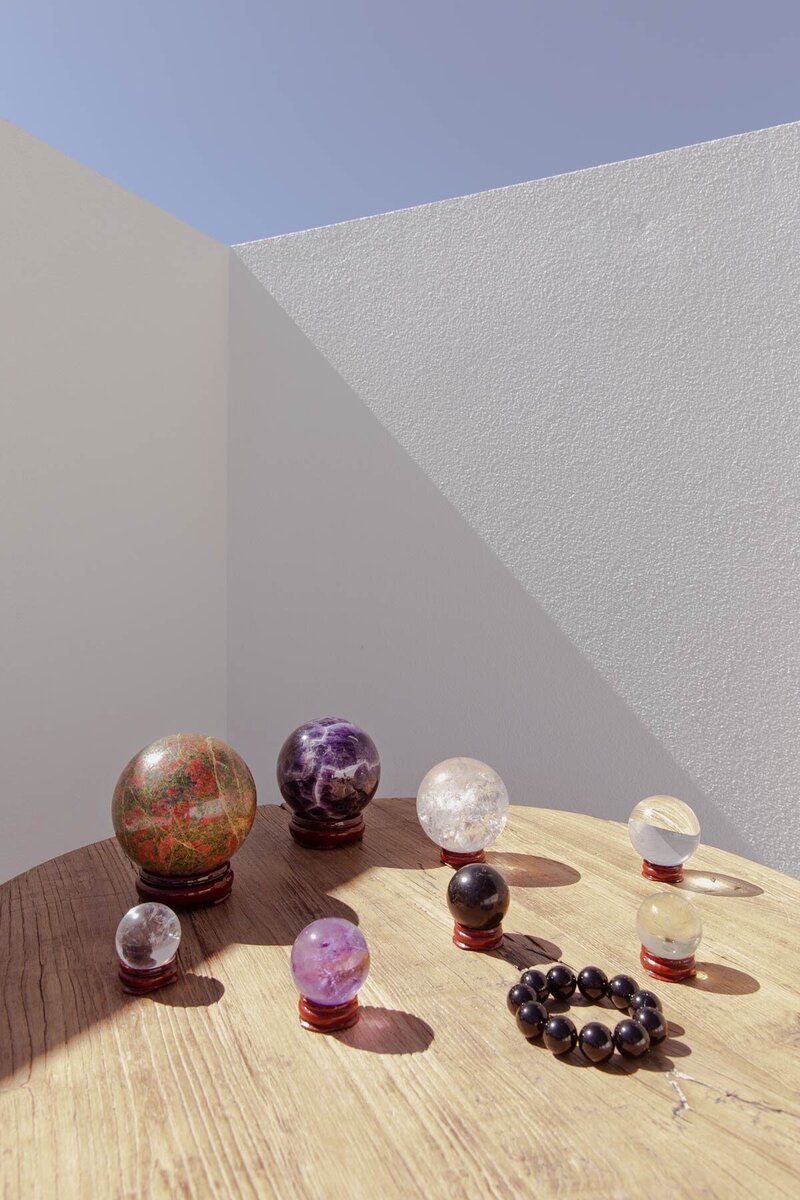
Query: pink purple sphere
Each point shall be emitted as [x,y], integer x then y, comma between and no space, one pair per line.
[330,961]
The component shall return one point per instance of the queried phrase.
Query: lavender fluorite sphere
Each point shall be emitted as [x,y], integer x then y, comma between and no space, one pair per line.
[328,770]
[148,936]
[330,961]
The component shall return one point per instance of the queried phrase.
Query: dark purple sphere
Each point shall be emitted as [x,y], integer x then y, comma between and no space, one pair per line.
[328,770]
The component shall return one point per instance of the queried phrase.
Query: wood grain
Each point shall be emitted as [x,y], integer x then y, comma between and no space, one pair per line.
[211,1088]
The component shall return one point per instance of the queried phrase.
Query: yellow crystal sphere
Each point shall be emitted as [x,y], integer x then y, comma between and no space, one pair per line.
[669,925]
[664,830]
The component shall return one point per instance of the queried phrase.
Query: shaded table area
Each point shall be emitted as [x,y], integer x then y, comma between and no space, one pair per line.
[211,1088]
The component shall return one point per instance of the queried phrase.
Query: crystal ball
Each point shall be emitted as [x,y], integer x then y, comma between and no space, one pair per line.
[148,936]
[328,770]
[664,830]
[330,961]
[478,897]
[183,805]
[462,805]
[669,925]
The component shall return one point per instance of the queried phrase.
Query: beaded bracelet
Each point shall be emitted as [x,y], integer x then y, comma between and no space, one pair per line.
[632,1037]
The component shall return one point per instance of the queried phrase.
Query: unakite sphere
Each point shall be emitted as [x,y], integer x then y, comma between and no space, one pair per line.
[183,805]
[462,805]
[669,925]
[148,936]
[664,830]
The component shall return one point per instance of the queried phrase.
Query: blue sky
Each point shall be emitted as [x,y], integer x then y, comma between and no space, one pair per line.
[249,118]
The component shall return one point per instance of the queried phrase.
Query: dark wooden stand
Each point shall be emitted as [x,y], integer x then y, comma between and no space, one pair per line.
[186,891]
[673,970]
[328,1018]
[662,874]
[326,835]
[454,859]
[477,939]
[140,981]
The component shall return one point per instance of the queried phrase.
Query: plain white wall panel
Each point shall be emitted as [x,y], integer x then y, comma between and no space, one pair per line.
[113,446]
[599,373]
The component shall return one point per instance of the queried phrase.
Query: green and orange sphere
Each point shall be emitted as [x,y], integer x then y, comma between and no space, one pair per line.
[183,805]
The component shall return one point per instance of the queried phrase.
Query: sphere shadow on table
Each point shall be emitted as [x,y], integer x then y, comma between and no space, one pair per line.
[532,871]
[523,950]
[711,883]
[190,991]
[387,1031]
[724,981]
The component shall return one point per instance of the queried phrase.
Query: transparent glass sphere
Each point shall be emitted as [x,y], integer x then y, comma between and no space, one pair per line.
[148,936]
[669,925]
[664,830]
[330,961]
[462,805]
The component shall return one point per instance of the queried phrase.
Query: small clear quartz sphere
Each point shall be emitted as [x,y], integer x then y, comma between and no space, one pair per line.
[664,830]
[669,925]
[462,805]
[148,936]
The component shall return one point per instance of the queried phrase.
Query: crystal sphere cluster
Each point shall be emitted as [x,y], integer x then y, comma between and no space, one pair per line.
[666,832]
[462,805]
[148,936]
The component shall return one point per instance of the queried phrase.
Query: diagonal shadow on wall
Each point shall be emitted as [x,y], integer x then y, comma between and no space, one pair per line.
[356,589]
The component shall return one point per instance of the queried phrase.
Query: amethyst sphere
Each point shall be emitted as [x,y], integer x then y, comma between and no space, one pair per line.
[328,771]
[330,961]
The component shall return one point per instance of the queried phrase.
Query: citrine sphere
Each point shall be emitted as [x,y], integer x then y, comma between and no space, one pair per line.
[328,770]
[148,936]
[462,805]
[664,830]
[330,961]
[669,925]
[183,805]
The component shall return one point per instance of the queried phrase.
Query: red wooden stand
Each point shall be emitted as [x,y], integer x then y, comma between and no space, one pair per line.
[139,981]
[328,1018]
[454,859]
[662,874]
[477,939]
[673,970]
[326,835]
[186,891]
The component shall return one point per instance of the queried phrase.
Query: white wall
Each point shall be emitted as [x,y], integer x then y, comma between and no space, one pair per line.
[113,449]
[587,574]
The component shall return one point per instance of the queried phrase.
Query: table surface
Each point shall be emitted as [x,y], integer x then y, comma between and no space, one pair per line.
[211,1088]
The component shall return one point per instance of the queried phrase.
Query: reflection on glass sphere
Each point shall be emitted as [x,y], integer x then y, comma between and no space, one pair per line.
[148,936]
[330,961]
[664,830]
[462,805]
[669,925]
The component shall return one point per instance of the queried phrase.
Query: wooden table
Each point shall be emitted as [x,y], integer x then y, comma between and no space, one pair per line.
[211,1088]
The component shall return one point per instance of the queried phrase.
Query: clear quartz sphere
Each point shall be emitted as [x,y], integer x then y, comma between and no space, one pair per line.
[462,805]
[148,936]
[669,925]
[664,830]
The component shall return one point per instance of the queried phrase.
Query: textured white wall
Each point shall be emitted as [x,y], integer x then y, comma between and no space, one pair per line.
[599,372]
[113,476]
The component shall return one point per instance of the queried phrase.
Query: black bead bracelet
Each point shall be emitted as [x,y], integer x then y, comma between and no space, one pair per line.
[632,1037]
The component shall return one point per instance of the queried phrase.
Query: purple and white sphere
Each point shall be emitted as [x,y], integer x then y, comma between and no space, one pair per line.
[328,770]
[330,961]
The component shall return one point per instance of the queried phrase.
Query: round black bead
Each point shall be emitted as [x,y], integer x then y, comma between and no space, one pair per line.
[561,982]
[631,1038]
[478,896]
[537,982]
[531,1018]
[620,989]
[592,983]
[518,995]
[644,998]
[560,1035]
[596,1042]
[653,1021]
